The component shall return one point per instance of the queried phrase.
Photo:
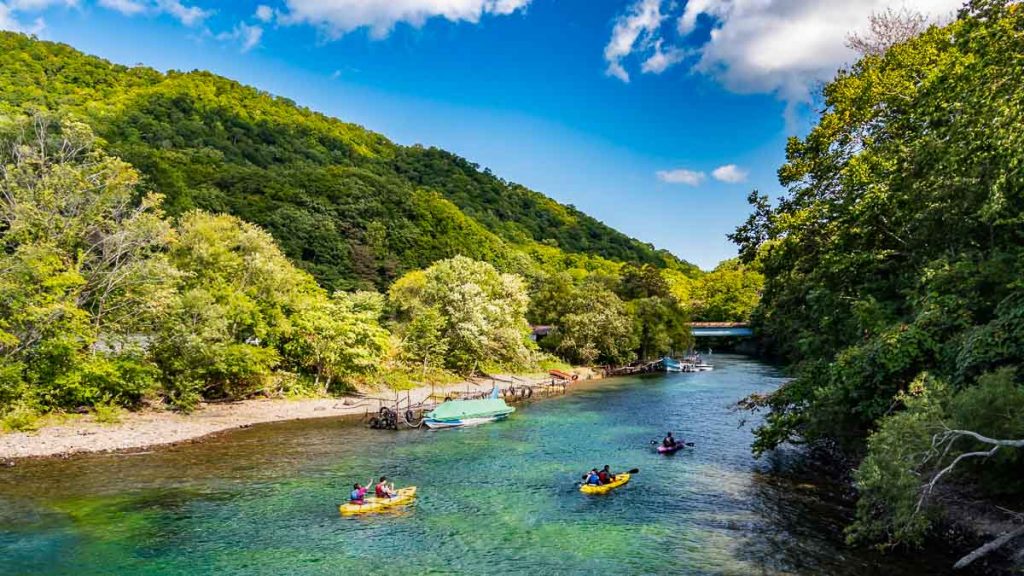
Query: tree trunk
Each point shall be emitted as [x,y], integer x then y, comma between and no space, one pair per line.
[988,548]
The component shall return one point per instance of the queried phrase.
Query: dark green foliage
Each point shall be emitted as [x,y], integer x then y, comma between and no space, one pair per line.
[518,214]
[642,281]
[900,246]
[899,251]
[903,453]
[661,326]
[104,300]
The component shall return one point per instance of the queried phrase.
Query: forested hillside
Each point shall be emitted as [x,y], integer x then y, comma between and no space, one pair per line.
[346,204]
[893,273]
[178,238]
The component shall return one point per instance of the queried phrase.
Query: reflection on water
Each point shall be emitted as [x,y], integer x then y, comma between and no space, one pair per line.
[494,499]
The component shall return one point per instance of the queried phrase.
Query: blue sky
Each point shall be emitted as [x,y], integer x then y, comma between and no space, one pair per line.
[656,116]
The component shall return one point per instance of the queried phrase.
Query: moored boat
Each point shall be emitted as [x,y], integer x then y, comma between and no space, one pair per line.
[696,363]
[460,413]
[672,365]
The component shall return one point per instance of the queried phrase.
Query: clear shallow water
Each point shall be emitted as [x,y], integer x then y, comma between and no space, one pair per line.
[498,498]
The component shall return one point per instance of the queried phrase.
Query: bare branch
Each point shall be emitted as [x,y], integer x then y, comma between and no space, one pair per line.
[987,440]
[887,29]
[989,547]
[946,439]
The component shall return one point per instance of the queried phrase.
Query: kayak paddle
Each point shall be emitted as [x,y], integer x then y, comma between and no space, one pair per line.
[658,443]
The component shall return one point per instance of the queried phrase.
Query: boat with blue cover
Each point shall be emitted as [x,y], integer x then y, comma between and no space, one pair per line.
[459,413]
[673,365]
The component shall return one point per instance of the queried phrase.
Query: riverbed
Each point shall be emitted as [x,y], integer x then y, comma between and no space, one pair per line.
[496,499]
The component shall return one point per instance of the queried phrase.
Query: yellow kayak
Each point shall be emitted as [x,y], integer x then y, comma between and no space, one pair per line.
[620,480]
[373,504]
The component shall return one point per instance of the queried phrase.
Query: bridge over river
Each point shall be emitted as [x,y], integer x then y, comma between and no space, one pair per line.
[717,329]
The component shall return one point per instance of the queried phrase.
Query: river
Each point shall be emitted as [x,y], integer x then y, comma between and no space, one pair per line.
[495,499]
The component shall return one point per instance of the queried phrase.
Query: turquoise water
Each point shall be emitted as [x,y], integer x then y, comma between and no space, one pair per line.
[499,498]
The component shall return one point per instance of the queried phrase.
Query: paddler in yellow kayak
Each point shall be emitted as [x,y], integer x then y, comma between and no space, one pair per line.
[384,497]
[358,495]
[599,477]
[383,489]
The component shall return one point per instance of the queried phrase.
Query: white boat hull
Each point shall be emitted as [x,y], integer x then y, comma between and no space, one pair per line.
[461,423]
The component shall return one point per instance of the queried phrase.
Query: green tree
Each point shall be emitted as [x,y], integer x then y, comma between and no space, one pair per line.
[729,293]
[422,340]
[892,255]
[338,336]
[941,433]
[483,312]
[661,326]
[595,327]
[896,252]
[233,310]
[642,281]
[82,272]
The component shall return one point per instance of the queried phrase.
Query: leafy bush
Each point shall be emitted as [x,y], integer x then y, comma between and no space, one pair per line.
[106,412]
[903,455]
[20,417]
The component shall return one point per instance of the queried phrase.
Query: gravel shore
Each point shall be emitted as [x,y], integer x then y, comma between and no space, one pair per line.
[150,428]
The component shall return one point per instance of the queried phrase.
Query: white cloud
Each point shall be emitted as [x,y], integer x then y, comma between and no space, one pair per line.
[682,176]
[36,5]
[187,15]
[248,36]
[786,48]
[126,7]
[730,173]
[11,13]
[339,17]
[781,47]
[635,30]
[661,60]
[264,13]
[8,21]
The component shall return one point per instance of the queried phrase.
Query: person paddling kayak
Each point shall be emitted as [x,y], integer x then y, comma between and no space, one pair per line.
[383,490]
[605,475]
[669,441]
[592,478]
[358,494]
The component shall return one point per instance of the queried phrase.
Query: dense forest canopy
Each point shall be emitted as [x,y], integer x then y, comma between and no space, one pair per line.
[893,269]
[344,203]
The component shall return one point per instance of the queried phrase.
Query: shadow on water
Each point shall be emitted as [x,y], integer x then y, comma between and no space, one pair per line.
[500,498]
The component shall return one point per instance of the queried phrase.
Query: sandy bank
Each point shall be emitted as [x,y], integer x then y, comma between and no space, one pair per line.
[150,428]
